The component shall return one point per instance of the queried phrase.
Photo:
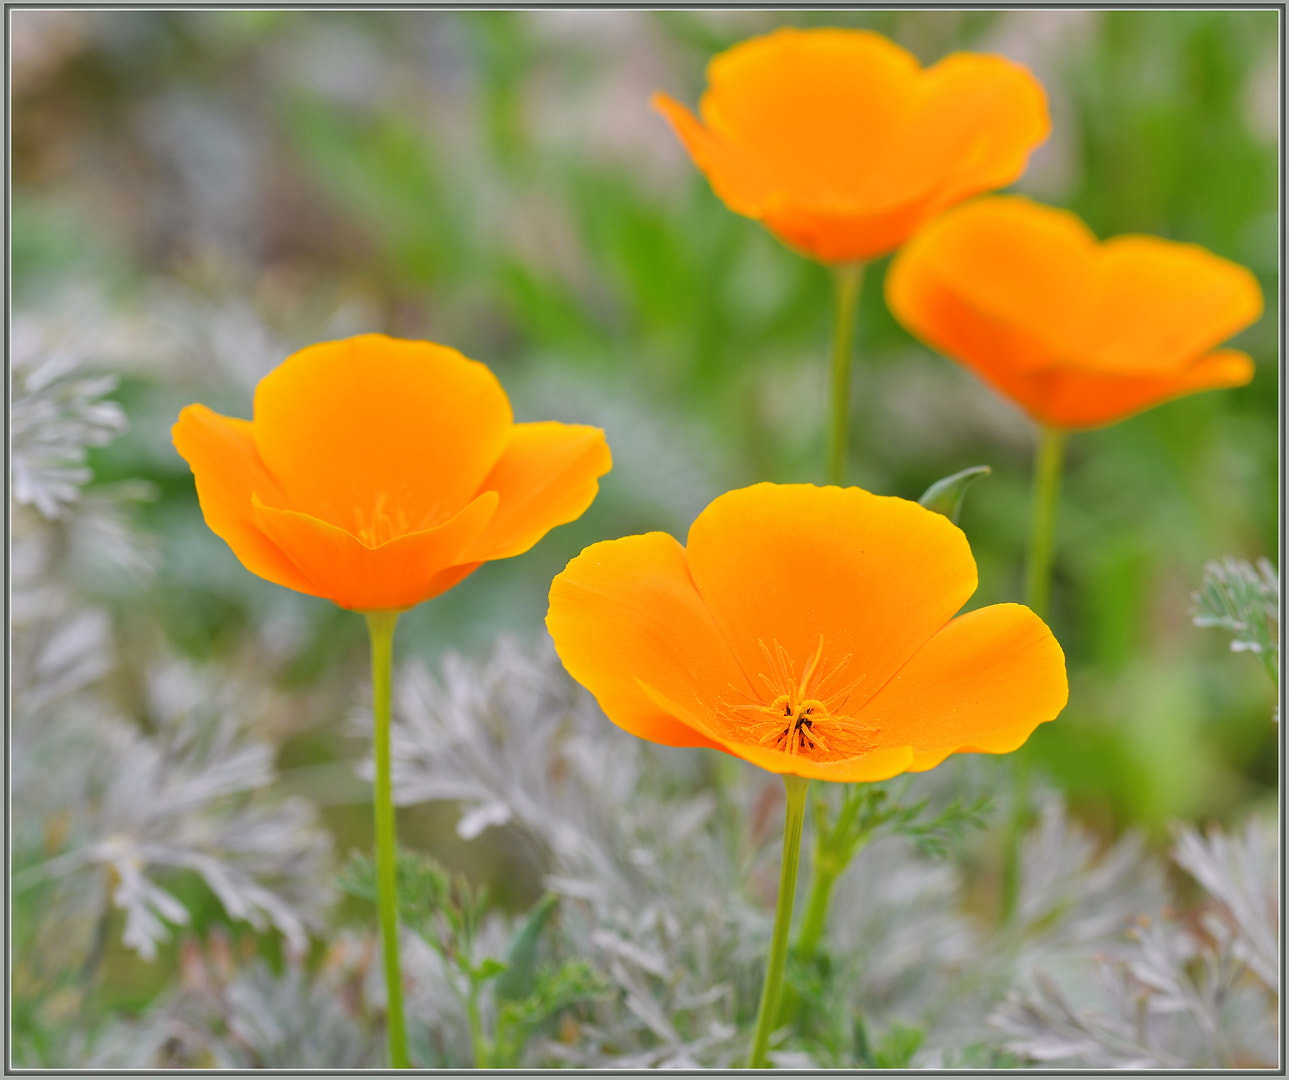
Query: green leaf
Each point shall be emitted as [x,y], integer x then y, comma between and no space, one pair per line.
[487,969]
[553,990]
[945,496]
[899,1043]
[521,961]
[935,835]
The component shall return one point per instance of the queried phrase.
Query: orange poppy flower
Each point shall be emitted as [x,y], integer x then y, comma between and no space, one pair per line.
[1077,333]
[842,145]
[378,473]
[808,630]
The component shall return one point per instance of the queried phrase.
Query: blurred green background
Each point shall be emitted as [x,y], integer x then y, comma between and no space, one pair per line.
[220,188]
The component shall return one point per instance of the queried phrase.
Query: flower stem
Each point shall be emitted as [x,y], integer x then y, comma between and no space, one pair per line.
[1038,589]
[848,278]
[478,1044]
[794,816]
[833,849]
[1047,478]
[380,628]
[815,919]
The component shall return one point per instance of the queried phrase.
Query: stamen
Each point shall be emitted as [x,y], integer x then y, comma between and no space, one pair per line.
[801,714]
[381,526]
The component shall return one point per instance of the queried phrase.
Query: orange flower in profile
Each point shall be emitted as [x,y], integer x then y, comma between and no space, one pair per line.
[1076,332]
[810,631]
[378,473]
[842,145]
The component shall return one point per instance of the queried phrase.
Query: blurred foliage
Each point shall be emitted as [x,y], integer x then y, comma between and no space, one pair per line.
[220,188]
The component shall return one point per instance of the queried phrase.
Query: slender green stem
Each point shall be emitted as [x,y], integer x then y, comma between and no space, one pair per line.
[815,919]
[834,849]
[848,278]
[1048,457]
[380,628]
[1047,478]
[794,816]
[477,1042]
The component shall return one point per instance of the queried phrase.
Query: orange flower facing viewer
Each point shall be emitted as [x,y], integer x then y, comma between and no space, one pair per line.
[378,473]
[842,145]
[808,630]
[1077,333]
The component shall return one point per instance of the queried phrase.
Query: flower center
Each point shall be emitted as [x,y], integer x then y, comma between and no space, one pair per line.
[383,523]
[803,714]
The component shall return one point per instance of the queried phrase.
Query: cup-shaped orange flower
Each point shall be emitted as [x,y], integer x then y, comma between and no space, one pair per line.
[1077,333]
[378,473]
[842,145]
[810,631]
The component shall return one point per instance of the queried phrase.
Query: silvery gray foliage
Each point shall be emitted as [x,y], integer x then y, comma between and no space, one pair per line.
[107,804]
[655,870]
[654,890]
[228,1012]
[1241,875]
[192,795]
[1171,992]
[57,411]
[1244,599]
[906,951]
[669,883]
[260,1019]
[909,954]
[1072,895]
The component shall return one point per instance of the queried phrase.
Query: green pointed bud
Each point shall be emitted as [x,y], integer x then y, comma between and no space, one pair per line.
[945,496]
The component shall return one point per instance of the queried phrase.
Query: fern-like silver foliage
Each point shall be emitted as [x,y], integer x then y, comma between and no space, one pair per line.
[653,892]
[57,411]
[1170,993]
[256,1018]
[193,795]
[1243,599]
[669,878]
[109,801]
[1241,875]
[232,1011]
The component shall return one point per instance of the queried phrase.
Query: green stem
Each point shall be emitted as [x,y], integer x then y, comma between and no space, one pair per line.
[380,628]
[1048,457]
[1047,478]
[834,849]
[815,919]
[477,1041]
[848,277]
[794,815]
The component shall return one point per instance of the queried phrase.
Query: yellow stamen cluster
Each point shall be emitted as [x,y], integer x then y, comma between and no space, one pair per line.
[804,715]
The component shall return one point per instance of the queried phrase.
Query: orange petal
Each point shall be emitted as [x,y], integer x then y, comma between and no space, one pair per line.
[1078,334]
[979,119]
[852,236]
[625,612]
[546,476]
[1001,284]
[823,112]
[841,145]
[391,577]
[738,181]
[228,472]
[380,437]
[1162,304]
[874,576]
[982,684]
[1070,396]
[880,764]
